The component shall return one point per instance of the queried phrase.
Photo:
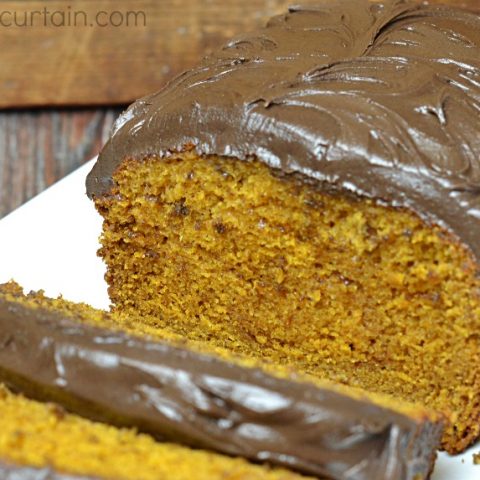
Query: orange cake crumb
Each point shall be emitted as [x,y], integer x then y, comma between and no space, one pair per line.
[268,265]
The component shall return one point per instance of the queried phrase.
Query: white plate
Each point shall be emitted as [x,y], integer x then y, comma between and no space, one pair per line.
[50,243]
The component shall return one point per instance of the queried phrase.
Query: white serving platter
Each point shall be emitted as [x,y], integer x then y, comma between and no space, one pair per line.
[50,243]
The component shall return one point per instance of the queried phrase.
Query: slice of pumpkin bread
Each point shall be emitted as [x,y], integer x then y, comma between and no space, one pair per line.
[41,441]
[125,372]
[310,194]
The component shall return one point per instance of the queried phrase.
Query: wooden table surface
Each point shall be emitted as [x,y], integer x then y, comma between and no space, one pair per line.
[39,147]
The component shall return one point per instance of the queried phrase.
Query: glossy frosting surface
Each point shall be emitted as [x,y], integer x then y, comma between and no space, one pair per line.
[175,393]
[382,100]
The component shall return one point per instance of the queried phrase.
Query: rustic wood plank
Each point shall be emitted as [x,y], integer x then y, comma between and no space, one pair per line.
[87,65]
[38,148]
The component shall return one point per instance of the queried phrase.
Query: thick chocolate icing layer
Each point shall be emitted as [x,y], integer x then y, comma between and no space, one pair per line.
[382,100]
[204,401]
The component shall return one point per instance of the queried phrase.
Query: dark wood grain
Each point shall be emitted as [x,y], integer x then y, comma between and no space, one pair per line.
[38,148]
[66,58]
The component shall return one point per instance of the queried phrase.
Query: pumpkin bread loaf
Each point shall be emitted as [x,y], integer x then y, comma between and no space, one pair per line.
[41,441]
[309,195]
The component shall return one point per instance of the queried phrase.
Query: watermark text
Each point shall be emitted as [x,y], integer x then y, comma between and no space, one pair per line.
[70,17]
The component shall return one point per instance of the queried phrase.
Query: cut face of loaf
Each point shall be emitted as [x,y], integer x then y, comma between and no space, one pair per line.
[268,265]
[124,371]
[309,194]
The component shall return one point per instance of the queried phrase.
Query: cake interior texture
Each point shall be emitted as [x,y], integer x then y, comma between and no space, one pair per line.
[44,435]
[269,265]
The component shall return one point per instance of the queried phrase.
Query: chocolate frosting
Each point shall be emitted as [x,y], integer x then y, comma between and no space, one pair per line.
[178,394]
[379,99]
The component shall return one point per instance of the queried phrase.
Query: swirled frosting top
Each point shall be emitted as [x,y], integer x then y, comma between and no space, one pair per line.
[381,99]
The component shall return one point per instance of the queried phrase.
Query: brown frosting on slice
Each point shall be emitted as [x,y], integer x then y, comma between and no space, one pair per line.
[201,400]
[378,99]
